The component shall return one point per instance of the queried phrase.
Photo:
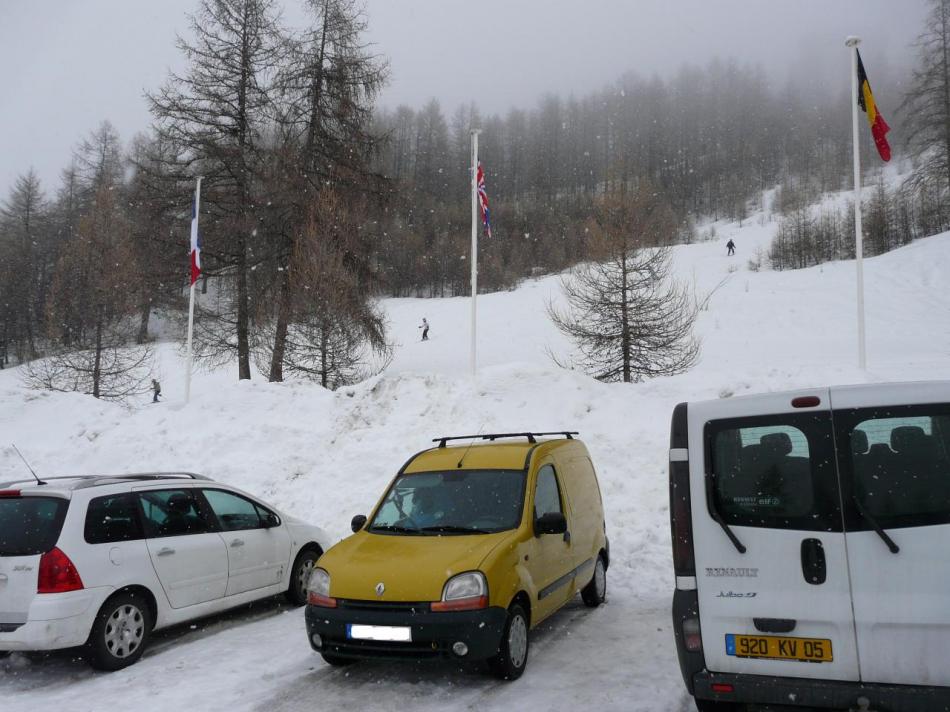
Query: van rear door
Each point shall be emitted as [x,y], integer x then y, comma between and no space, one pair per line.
[29,527]
[894,450]
[771,566]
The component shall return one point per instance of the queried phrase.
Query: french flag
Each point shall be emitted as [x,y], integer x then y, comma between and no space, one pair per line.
[195,240]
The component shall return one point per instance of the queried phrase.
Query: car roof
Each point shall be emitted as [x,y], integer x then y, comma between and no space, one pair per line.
[70,483]
[480,456]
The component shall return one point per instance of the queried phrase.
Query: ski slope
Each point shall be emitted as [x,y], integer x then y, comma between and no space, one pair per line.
[326,456]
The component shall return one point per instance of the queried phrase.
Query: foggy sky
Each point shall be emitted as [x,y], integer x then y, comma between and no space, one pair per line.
[68,64]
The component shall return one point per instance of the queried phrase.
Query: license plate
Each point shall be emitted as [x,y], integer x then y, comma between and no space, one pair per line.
[773,647]
[391,633]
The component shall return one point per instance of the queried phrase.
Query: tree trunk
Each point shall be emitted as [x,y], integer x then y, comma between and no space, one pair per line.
[624,319]
[280,333]
[243,314]
[97,365]
[142,336]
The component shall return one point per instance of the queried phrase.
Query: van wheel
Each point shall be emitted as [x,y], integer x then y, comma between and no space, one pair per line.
[595,592]
[512,656]
[120,632]
[336,661]
[300,576]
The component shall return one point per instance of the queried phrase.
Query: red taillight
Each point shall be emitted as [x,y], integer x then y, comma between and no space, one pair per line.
[722,688]
[57,573]
[9,493]
[806,402]
[315,599]
[461,604]
[691,635]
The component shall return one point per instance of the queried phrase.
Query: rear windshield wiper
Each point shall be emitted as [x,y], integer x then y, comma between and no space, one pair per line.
[717,517]
[891,544]
[452,529]
[393,528]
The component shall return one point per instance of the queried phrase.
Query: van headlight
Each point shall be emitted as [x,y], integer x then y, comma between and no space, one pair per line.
[318,590]
[465,592]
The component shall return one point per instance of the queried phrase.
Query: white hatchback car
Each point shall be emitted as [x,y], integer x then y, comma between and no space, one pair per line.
[103,561]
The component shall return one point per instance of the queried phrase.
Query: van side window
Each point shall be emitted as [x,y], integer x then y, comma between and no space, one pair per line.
[112,518]
[547,496]
[775,472]
[900,464]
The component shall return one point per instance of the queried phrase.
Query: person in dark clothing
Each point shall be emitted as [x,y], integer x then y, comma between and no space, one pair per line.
[425,329]
[731,247]
[156,390]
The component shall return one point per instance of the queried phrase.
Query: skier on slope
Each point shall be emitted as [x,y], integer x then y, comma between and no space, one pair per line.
[156,390]
[731,247]
[425,329]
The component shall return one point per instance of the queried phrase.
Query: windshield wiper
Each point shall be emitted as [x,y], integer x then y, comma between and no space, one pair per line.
[891,544]
[717,517]
[453,529]
[393,528]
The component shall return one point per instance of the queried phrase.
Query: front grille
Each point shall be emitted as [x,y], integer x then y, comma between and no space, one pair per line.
[384,649]
[411,608]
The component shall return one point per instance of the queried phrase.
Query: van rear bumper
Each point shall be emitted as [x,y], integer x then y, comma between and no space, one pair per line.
[801,692]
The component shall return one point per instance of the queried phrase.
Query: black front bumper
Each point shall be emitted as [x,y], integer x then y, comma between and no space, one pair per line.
[824,694]
[433,634]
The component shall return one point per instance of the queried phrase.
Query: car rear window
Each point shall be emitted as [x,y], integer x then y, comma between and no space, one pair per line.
[776,472]
[900,463]
[30,525]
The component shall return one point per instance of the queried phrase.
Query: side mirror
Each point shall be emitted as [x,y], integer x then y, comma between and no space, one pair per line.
[358,522]
[271,520]
[550,523]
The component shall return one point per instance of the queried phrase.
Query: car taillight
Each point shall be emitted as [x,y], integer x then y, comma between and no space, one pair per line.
[691,635]
[316,599]
[461,604]
[681,523]
[722,688]
[57,573]
[9,493]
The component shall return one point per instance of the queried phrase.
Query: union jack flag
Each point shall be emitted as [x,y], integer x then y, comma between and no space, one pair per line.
[483,198]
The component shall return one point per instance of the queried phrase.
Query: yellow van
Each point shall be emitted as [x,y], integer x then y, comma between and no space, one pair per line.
[470,547]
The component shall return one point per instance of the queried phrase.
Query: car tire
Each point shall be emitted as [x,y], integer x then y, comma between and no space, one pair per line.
[512,657]
[120,632]
[300,575]
[336,661]
[595,592]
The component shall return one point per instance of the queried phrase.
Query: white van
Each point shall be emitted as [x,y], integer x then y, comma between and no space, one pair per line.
[811,546]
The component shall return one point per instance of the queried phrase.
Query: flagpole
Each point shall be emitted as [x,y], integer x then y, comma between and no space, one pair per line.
[853,43]
[474,133]
[191,304]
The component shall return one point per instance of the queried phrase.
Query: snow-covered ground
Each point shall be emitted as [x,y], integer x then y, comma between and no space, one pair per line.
[326,456]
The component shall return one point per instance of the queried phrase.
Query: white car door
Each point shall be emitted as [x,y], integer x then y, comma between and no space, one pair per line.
[257,552]
[894,449]
[771,566]
[189,557]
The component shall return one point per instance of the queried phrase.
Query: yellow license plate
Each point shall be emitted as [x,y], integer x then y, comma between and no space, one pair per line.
[773,647]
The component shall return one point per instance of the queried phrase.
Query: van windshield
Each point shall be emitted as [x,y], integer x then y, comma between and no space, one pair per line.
[30,525]
[453,502]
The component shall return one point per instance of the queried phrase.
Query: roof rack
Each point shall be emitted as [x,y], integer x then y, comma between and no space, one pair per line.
[532,437]
[85,481]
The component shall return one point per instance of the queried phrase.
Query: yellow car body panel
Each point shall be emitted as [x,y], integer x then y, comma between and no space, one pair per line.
[548,569]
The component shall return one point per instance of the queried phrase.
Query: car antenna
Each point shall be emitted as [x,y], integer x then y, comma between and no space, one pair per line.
[474,438]
[38,480]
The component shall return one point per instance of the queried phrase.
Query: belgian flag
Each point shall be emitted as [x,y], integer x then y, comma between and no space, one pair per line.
[879,127]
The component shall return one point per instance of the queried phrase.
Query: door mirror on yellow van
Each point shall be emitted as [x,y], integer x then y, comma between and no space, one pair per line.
[357,522]
[550,523]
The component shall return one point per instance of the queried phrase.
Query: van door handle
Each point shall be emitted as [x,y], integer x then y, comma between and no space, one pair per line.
[774,625]
[567,537]
[166,551]
[814,568]
[236,543]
